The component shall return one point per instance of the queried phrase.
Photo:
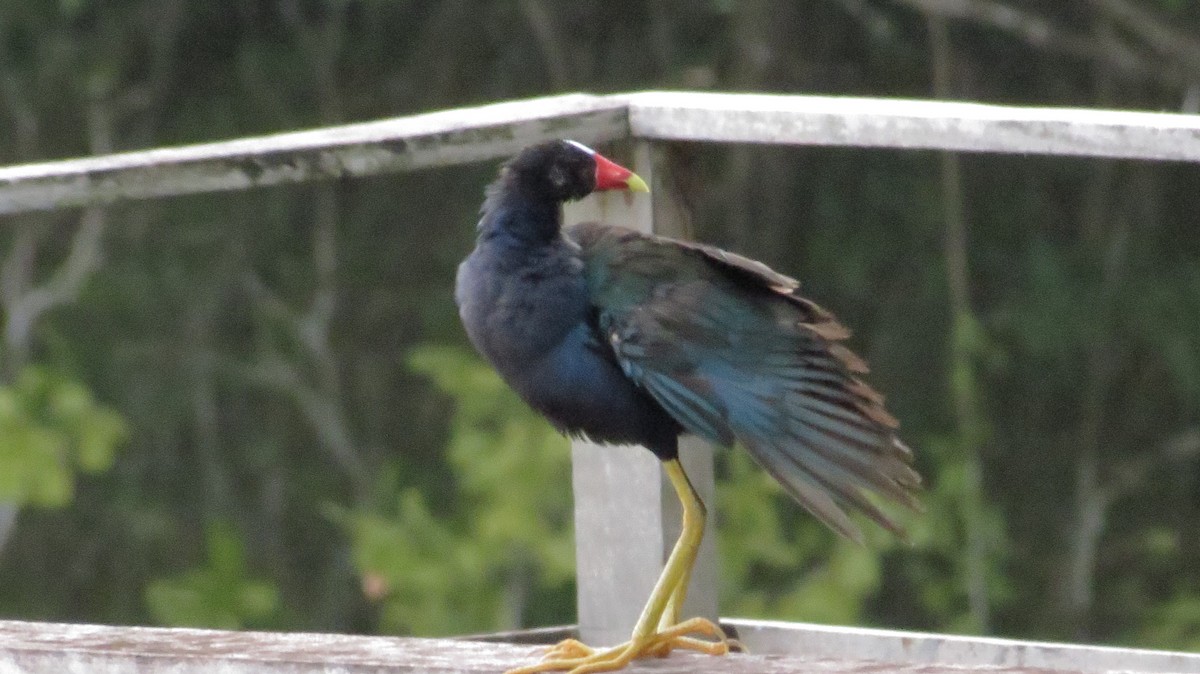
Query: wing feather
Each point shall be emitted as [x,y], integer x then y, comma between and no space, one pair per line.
[731,351]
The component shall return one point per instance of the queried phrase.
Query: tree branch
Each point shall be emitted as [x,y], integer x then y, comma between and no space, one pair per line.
[146,97]
[23,309]
[322,47]
[1161,37]
[23,302]
[968,410]
[17,270]
[25,120]
[314,326]
[877,23]
[321,411]
[319,397]
[1040,33]
[555,55]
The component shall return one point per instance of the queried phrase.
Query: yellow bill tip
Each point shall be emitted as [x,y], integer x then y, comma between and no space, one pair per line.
[634,183]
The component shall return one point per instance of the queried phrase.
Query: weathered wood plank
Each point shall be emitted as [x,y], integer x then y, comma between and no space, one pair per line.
[400,144]
[912,124]
[50,648]
[492,131]
[838,642]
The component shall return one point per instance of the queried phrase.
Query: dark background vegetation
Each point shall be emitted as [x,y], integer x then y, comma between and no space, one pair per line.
[258,409]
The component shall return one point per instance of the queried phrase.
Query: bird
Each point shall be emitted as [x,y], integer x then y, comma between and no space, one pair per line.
[624,337]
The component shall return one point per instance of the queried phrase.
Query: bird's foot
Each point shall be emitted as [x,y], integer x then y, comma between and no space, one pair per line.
[568,649]
[577,658]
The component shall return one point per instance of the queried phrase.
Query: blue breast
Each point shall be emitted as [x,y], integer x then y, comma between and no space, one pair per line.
[526,310]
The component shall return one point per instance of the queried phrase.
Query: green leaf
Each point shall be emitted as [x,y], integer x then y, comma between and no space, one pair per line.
[220,594]
[49,425]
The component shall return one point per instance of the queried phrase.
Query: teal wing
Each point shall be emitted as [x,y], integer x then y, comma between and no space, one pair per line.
[732,352]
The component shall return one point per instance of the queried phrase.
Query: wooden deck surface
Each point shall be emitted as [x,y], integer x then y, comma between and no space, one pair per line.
[52,648]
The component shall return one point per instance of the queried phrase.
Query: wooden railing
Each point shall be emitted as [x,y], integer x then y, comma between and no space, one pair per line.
[617,565]
[493,131]
[53,648]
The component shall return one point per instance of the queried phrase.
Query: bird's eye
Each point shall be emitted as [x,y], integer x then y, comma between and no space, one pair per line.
[557,176]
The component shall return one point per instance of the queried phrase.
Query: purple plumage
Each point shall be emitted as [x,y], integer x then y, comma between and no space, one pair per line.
[634,339]
[631,338]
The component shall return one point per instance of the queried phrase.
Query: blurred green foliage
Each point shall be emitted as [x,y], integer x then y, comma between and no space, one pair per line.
[508,539]
[220,594]
[258,408]
[51,429]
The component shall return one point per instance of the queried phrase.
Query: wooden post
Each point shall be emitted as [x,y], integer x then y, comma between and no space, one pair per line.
[627,516]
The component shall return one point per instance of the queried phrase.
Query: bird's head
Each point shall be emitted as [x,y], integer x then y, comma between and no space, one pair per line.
[563,170]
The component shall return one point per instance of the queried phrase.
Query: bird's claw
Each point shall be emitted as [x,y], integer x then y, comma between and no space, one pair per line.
[575,657]
[568,649]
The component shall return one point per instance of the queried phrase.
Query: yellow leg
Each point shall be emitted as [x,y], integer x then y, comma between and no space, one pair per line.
[670,616]
[658,630]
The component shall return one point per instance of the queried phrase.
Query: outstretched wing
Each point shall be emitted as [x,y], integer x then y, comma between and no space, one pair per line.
[728,348]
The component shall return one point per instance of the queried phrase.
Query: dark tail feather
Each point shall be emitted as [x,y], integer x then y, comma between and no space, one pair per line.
[804,488]
[822,442]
